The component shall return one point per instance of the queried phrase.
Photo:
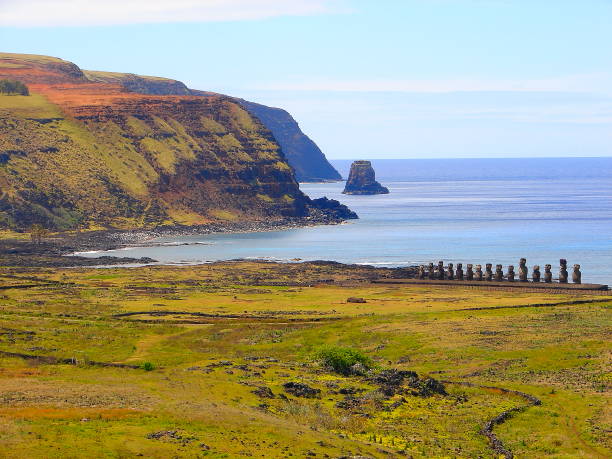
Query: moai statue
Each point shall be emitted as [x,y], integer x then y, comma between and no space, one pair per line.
[489,272]
[421,274]
[563,271]
[547,274]
[478,273]
[511,273]
[523,270]
[499,273]
[441,270]
[536,273]
[459,272]
[450,274]
[431,273]
[577,275]
[469,275]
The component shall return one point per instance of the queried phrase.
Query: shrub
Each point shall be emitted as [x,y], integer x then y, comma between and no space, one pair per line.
[148,366]
[341,359]
[13,87]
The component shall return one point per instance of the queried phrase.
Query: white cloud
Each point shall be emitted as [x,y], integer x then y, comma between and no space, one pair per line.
[45,13]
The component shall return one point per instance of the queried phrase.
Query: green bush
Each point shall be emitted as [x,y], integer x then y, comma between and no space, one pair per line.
[13,87]
[148,366]
[341,359]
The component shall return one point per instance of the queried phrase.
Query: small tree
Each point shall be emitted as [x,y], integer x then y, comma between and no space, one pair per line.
[38,232]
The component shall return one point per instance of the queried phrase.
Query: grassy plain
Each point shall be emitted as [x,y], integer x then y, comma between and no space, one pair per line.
[217,334]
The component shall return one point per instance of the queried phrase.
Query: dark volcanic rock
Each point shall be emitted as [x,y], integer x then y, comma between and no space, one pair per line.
[264,392]
[301,390]
[362,180]
[354,299]
[427,387]
[332,208]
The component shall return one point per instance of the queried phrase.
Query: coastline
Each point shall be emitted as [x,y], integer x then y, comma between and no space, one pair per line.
[63,249]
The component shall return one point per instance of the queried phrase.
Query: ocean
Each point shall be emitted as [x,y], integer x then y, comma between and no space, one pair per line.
[455,210]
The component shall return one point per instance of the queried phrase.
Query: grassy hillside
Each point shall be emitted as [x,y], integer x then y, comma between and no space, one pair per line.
[78,152]
[222,341]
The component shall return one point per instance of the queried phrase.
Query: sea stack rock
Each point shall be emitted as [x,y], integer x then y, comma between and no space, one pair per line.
[362,180]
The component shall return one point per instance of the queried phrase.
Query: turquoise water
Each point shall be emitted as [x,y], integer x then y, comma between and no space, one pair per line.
[470,211]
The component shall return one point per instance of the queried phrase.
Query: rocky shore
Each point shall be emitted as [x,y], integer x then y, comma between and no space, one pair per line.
[57,250]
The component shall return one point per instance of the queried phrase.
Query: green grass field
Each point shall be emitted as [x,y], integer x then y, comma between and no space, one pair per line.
[217,334]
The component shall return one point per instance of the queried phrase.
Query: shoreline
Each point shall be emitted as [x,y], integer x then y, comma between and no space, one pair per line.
[62,250]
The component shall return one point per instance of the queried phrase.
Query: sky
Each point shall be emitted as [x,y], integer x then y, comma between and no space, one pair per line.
[363,78]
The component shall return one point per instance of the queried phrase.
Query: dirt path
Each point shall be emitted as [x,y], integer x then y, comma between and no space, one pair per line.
[590,448]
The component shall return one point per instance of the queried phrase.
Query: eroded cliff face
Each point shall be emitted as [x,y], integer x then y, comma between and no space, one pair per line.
[303,155]
[88,153]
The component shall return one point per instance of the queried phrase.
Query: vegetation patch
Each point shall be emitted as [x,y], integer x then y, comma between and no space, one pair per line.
[344,360]
[13,87]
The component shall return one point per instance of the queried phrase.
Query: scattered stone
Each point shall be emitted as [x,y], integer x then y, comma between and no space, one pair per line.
[391,381]
[392,377]
[171,435]
[263,392]
[428,387]
[220,363]
[350,390]
[358,369]
[354,299]
[349,403]
[301,390]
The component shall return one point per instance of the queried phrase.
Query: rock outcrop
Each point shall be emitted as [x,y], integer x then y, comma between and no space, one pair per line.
[362,180]
[83,153]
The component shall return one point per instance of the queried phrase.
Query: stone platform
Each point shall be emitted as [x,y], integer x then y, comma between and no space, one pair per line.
[556,287]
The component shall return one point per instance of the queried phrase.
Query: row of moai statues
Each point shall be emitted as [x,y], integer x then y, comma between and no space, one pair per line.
[474,272]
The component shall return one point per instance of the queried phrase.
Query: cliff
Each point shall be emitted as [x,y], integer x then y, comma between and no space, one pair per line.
[302,154]
[83,151]
[362,180]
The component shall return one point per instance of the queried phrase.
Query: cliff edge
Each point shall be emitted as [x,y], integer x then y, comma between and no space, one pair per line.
[306,158]
[303,155]
[82,151]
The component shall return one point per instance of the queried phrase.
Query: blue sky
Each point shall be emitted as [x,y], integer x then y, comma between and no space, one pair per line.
[364,78]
